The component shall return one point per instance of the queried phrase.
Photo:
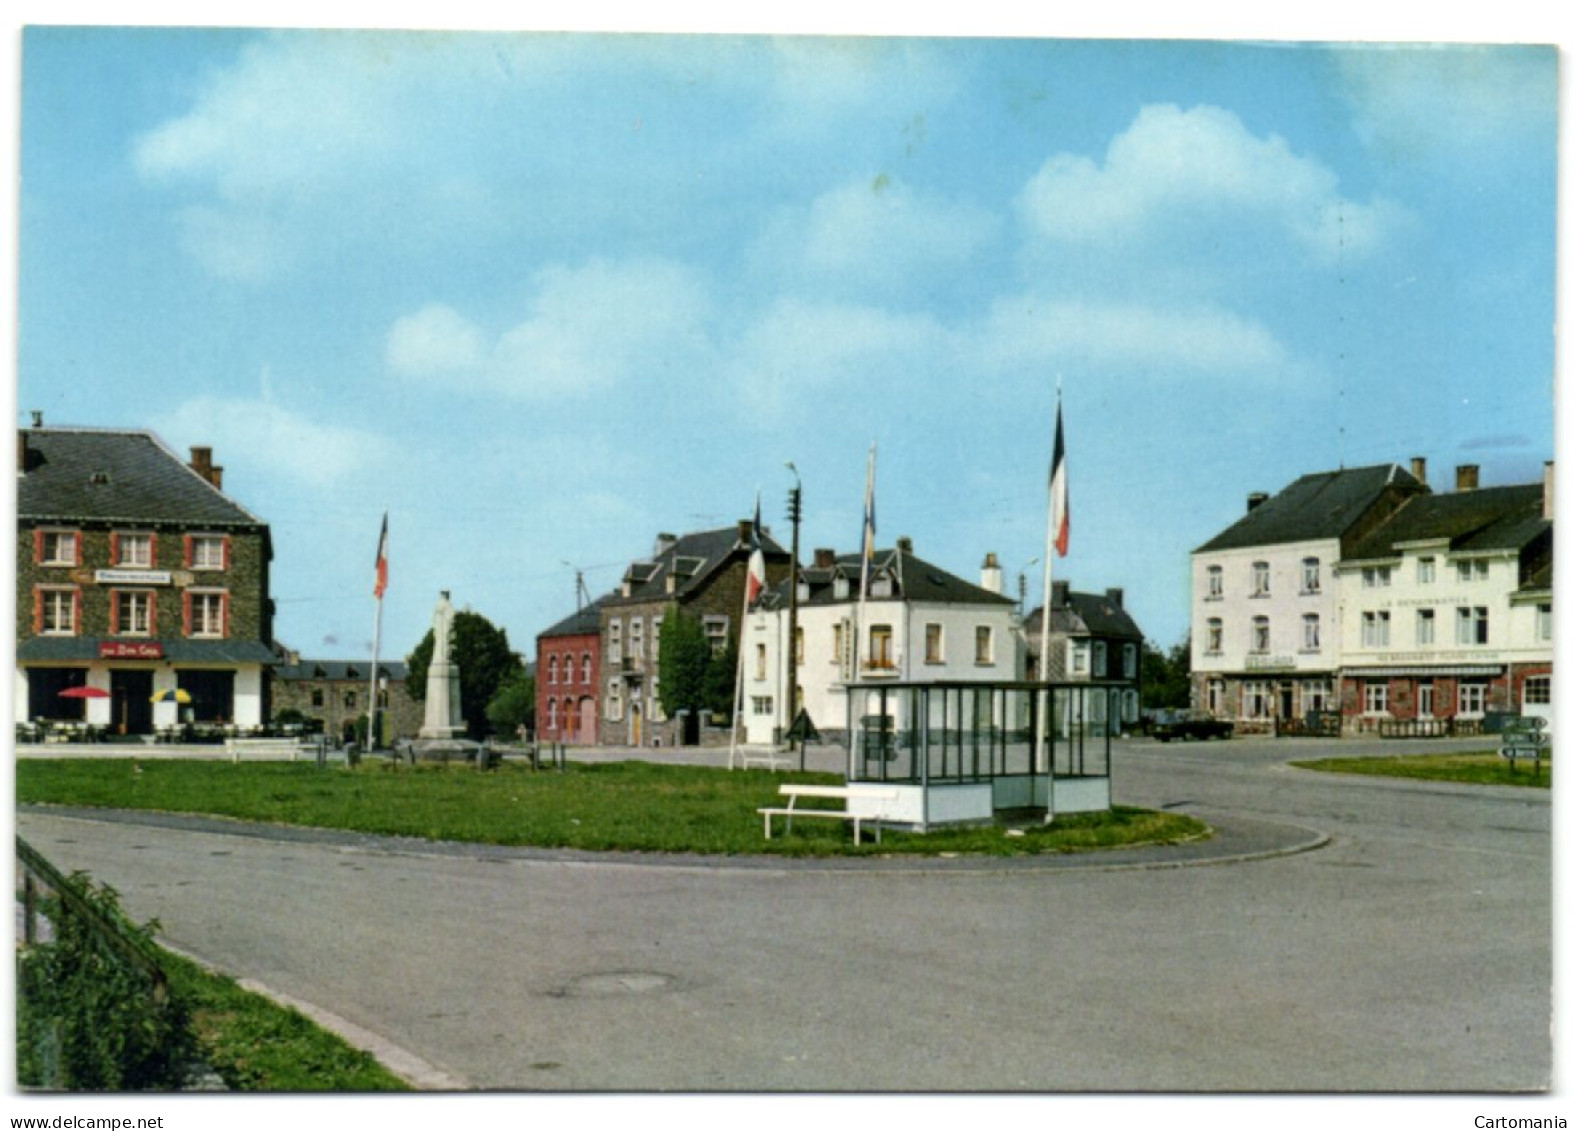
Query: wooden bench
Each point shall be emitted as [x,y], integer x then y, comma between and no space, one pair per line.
[844,793]
[265,749]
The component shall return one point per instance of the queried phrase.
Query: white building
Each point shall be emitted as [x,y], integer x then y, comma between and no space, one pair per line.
[918,623]
[1446,609]
[1264,629]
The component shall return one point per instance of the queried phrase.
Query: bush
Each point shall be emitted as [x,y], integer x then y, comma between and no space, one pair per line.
[88,1019]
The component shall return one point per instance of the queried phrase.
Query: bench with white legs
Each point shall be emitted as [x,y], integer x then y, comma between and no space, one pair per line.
[845,793]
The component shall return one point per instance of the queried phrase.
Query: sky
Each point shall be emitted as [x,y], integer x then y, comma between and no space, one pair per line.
[542,296]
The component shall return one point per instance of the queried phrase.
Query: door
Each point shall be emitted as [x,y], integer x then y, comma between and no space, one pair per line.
[131,702]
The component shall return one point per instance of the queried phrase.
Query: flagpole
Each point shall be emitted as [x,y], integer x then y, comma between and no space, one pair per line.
[378,624]
[868,548]
[1055,491]
[736,719]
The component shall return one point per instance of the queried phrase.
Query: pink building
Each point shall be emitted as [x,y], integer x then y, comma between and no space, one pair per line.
[569,667]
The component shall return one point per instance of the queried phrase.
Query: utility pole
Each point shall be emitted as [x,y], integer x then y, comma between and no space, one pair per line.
[792,699]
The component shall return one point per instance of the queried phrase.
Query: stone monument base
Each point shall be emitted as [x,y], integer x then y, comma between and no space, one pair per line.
[442,750]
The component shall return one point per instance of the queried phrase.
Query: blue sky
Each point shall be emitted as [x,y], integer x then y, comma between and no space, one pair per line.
[543,296]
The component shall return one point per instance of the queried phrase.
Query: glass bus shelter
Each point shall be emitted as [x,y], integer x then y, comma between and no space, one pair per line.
[972,753]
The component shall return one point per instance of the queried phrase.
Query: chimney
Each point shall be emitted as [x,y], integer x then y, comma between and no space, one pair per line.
[1419,468]
[824,558]
[906,545]
[1550,491]
[1255,499]
[1115,596]
[665,543]
[1059,594]
[21,452]
[1468,477]
[745,532]
[203,464]
[38,419]
[991,575]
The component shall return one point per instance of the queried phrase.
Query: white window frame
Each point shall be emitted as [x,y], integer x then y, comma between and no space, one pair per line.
[1427,570]
[134,549]
[1310,574]
[208,551]
[1098,659]
[1261,579]
[60,548]
[1260,636]
[1425,699]
[58,614]
[1471,699]
[1425,627]
[1213,636]
[133,613]
[1312,632]
[1473,624]
[1542,621]
[1078,657]
[935,653]
[1213,583]
[616,641]
[1377,698]
[207,620]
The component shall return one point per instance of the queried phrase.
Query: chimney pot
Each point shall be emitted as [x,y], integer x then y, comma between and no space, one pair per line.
[825,558]
[1419,469]
[991,575]
[745,532]
[906,545]
[1468,477]
[1255,500]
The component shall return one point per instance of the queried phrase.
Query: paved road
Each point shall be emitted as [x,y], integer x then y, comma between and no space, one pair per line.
[1411,953]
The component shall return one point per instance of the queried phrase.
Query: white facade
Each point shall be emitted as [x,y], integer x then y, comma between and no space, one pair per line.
[1268,617]
[899,639]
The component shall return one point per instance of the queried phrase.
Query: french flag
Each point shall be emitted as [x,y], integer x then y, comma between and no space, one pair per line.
[1057,521]
[381,567]
[756,570]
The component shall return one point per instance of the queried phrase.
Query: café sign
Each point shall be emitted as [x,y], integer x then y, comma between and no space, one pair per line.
[132,576]
[131,650]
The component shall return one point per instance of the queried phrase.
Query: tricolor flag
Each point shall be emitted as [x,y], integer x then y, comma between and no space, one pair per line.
[1057,516]
[381,566]
[756,569]
[868,529]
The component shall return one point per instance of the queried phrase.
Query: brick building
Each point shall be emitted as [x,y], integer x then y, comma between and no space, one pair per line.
[137,578]
[569,672]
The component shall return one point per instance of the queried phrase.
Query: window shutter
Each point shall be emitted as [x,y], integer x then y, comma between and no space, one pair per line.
[38,547]
[115,612]
[153,614]
[186,551]
[224,615]
[186,614]
[115,549]
[79,547]
[38,612]
[153,551]
[226,544]
[76,612]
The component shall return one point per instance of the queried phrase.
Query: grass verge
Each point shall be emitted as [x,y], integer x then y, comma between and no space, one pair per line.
[1485,768]
[622,806]
[254,1045]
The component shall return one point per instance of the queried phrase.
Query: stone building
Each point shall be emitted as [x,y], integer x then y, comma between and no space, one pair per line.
[335,694]
[701,574]
[1092,638]
[137,579]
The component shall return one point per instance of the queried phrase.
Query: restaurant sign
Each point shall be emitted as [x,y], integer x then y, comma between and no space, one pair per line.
[131,650]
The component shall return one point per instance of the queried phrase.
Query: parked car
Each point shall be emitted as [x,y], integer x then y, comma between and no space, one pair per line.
[1190,724]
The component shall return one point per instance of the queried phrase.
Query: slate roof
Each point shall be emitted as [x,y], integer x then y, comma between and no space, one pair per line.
[915,580]
[341,669]
[1086,614]
[1322,505]
[691,560]
[81,474]
[1491,518]
[583,623]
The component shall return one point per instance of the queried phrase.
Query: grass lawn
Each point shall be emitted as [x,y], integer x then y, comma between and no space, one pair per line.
[1480,769]
[625,806]
[255,1045]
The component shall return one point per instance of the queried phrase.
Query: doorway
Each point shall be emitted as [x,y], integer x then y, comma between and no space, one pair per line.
[131,702]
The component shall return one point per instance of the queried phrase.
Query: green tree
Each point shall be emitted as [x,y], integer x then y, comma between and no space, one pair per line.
[722,677]
[482,652]
[1164,676]
[683,660]
[514,706]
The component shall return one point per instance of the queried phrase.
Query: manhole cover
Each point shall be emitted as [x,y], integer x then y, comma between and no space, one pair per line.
[620,983]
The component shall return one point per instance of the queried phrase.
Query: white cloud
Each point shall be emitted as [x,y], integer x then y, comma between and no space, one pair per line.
[873,232]
[1441,100]
[1121,338]
[587,328]
[266,438]
[1203,166]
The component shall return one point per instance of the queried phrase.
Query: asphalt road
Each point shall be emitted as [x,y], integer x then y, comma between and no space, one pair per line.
[1410,952]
